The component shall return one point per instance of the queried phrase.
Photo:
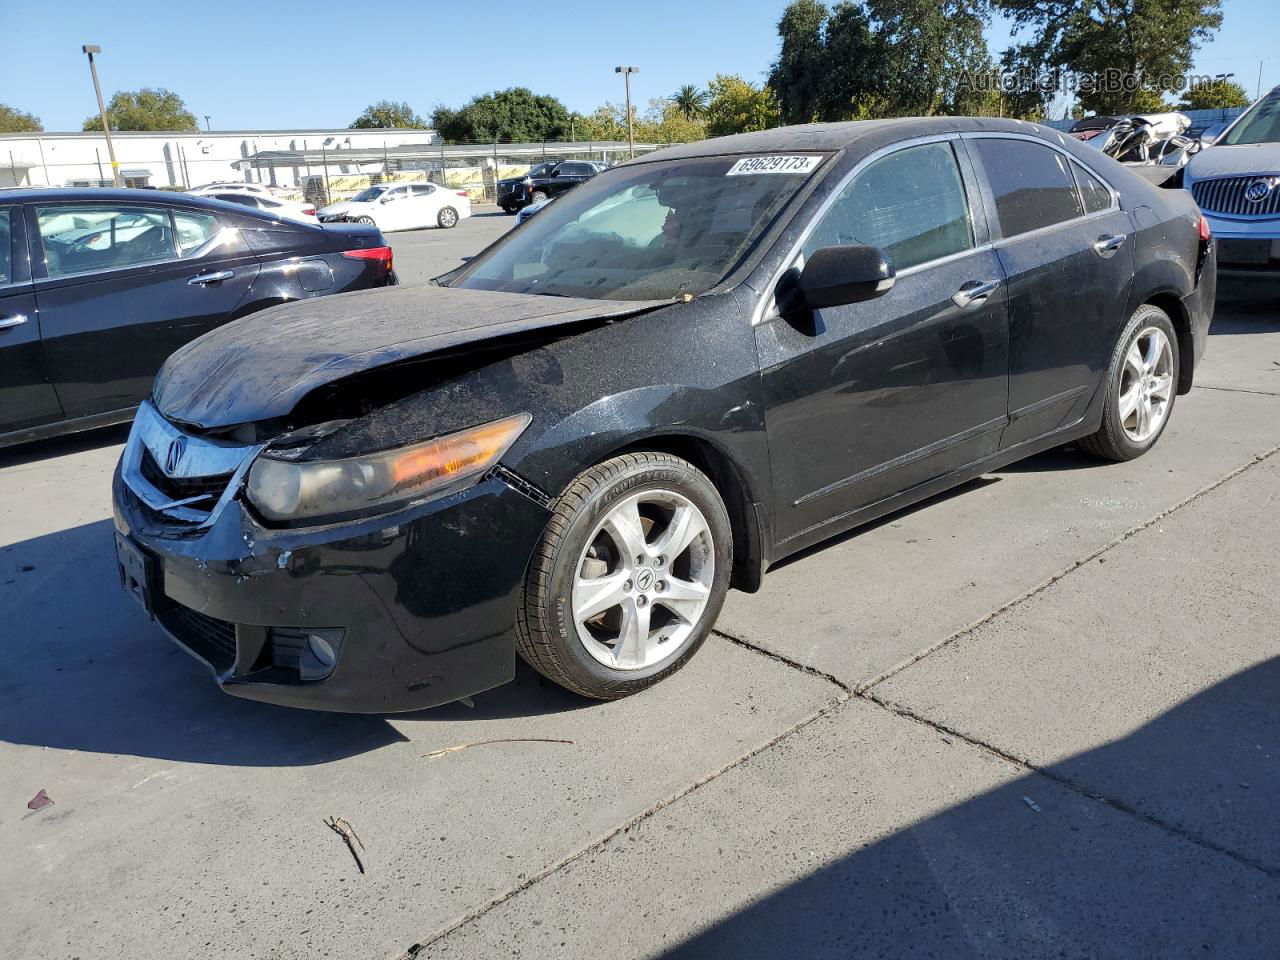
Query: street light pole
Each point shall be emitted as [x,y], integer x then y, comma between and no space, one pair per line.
[627,72]
[90,49]
[207,128]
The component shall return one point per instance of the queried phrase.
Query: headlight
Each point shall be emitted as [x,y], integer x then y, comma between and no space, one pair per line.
[283,491]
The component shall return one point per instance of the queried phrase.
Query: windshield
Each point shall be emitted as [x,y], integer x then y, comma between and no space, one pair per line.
[653,231]
[1260,124]
[364,196]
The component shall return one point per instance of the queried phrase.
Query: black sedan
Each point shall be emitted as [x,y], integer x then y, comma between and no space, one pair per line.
[98,287]
[544,181]
[698,363]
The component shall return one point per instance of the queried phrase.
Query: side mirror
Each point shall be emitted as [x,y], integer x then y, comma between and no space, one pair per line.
[834,276]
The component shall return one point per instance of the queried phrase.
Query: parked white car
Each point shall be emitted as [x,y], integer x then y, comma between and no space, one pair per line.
[404,206]
[241,186]
[290,210]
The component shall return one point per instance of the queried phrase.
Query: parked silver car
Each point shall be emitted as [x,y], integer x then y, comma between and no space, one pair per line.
[1236,182]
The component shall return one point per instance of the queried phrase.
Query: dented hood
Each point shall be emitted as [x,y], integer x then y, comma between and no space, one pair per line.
[259,367]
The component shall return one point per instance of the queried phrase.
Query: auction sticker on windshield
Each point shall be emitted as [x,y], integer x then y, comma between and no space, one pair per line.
[773,165]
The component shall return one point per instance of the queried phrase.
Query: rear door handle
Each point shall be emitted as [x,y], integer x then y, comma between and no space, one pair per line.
[975,292]
[14,320]
[204,278]
[1107,246]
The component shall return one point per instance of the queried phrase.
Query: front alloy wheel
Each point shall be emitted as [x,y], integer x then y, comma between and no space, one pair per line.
[629,578]
[644,580]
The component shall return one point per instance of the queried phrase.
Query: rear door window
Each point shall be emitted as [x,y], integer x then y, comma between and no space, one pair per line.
[1032,184]
[88,238]
[911,204]
[1093,192]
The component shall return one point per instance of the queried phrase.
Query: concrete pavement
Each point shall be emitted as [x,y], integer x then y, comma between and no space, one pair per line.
[1037,716]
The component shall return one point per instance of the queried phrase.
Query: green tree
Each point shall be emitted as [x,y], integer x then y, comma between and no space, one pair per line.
[739,106]
[1214,94]
[853,67]
[797,76]
[146,109]
[514,115]
[931,47]
[690,101]
[1124,44]
[388,115]
[13,120]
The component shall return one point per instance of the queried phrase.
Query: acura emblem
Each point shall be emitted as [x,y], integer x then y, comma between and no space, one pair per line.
[1258,191]
[177,448]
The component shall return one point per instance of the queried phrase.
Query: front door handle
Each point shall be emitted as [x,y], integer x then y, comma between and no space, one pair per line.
[14,320]
[1106,246]
[205,278]
[974,292]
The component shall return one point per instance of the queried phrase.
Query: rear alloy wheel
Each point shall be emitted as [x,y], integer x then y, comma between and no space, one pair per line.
[629,578]
[1141,387]
[447,217]
[368,220]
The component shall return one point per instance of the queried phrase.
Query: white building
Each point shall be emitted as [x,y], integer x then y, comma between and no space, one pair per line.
[185,159]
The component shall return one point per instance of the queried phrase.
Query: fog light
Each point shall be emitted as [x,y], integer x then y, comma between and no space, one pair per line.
[312,651]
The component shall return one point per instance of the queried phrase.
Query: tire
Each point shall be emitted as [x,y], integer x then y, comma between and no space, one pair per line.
[1123,435]
[510,211]
[447,218]
[576,546]
[537,197]
[369,220]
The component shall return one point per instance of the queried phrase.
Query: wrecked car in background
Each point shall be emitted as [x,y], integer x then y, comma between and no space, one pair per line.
[1157,138]
[692,366]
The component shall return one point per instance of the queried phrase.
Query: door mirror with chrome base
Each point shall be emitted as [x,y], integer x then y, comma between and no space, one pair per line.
[835,276]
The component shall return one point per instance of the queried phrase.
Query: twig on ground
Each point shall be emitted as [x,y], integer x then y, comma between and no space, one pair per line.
[345,831]
[480,743]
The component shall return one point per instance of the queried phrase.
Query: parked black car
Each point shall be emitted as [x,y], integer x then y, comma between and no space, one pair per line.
[98,287]
[699,363]
[544,181]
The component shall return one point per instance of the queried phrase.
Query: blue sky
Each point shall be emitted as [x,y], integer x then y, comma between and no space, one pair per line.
[318,64]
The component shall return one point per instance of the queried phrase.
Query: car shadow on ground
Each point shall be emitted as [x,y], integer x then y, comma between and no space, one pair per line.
[958,491]
[1181,860]
[1245,318]
[63,446]
[85,669]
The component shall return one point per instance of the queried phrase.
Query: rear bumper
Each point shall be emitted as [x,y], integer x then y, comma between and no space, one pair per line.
[423,601]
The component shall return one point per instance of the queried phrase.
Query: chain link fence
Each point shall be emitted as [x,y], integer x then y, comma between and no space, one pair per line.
[318,176]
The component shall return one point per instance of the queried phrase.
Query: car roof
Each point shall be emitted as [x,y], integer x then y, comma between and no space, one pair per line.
[106,195]
[829,137]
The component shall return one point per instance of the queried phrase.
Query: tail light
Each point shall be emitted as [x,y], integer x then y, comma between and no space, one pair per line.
[309,211]
[463,193]
[1204,229]
[381,254]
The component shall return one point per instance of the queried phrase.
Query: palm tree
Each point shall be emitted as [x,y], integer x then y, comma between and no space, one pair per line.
[690,101]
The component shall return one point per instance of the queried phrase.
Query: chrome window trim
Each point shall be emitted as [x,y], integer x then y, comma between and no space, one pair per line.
[765,309]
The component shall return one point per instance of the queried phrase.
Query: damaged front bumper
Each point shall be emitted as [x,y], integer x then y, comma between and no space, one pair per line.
[392,613]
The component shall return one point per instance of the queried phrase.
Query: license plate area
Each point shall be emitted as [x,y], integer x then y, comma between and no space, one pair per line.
[137,573]
[1232,250]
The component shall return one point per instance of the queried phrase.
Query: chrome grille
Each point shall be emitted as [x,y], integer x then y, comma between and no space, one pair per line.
[165,468]
[1226,195]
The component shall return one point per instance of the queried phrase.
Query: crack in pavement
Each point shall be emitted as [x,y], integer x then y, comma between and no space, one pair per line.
[636,820]
[863,693]
[1049,774]
[1256,393]
[1054,578]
